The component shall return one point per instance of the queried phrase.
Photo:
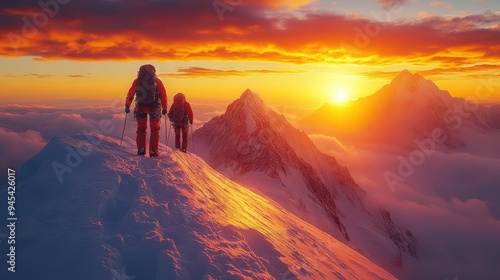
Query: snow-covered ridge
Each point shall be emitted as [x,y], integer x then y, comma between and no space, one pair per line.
[121,216]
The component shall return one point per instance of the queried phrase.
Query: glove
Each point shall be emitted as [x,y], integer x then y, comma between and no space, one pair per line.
[164,111]
[127,109]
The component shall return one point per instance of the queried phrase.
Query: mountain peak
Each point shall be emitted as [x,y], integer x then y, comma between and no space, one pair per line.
[260,148]
[250,95]
[404,75]
[249,101]
[411,82]
[405,72]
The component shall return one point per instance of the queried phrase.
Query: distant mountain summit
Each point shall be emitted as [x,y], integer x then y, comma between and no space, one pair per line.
[257,147]
[406,87]
[409,107]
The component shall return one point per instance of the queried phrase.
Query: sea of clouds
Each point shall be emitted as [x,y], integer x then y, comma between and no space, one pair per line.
[451,202]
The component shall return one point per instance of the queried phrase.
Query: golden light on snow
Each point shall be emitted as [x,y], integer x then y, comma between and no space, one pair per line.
[244,214]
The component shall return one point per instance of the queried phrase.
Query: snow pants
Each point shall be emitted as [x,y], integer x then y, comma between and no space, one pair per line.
[142,125]
[178,137]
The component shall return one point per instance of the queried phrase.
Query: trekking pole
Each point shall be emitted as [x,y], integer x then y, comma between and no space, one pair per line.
[167,132]
[192,137]
[123,131]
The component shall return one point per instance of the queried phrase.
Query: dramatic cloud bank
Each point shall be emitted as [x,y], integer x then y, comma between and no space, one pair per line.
[450,202]
[247,30]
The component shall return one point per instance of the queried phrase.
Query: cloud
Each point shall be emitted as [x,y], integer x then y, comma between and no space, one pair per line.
[266,3]
[463,176]
[251,31]
[17,147]
[456,237]
[450,203]
[440,4]
[41,76]
[195,72]
[25,108]
[329,143]
[52,121]
[391,4]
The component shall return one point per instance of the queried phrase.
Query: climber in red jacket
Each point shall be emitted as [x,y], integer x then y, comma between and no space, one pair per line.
[181,116]
[150,99]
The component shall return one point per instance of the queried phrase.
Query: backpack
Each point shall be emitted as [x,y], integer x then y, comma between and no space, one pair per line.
[178,110]
[146,92]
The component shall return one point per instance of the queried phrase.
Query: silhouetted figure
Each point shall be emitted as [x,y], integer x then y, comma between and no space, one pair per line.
[150,99]
[181,116]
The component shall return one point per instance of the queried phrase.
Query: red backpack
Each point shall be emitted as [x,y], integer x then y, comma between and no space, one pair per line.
[179,115]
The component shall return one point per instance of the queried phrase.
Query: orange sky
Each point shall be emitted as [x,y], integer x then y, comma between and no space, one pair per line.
[298,51]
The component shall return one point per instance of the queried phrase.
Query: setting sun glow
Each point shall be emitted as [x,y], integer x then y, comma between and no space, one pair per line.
[340,97]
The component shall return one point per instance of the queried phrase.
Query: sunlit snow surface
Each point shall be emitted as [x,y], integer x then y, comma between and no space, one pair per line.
[122,216]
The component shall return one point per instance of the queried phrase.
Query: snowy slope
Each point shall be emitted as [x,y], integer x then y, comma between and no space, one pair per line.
[118,216]
[258,148]
[408,108]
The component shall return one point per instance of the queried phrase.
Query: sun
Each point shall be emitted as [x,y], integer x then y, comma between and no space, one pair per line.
[340,97]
